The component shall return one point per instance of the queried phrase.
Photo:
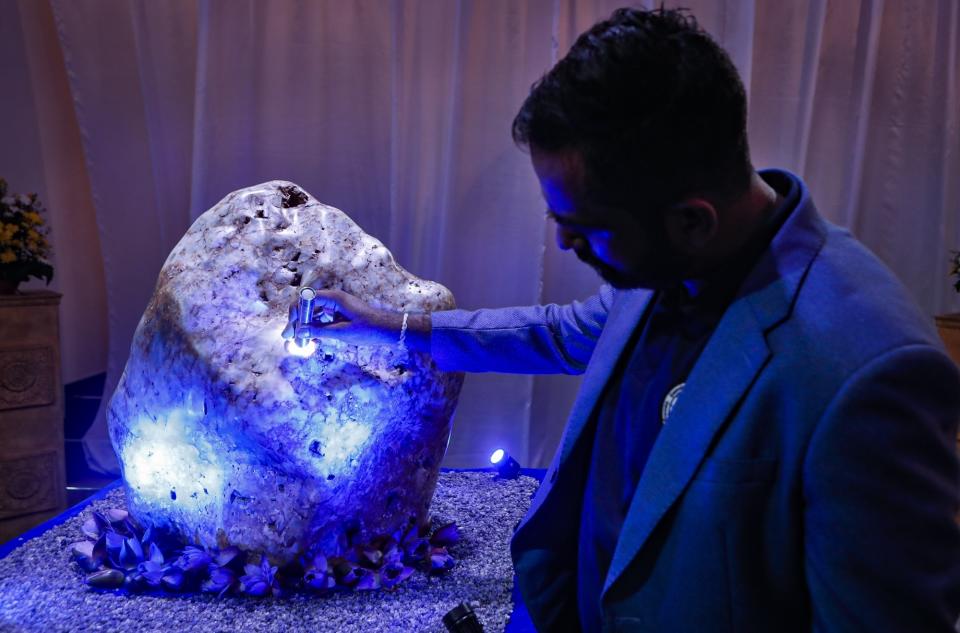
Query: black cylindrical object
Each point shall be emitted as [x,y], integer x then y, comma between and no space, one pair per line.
[462,619]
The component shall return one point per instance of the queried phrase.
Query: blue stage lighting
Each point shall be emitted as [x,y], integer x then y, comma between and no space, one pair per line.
[507,467]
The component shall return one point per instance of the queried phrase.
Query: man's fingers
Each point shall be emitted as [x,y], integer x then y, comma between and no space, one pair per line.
[337,328]
[290,330]
[336,301]
[340,330]
[336,314]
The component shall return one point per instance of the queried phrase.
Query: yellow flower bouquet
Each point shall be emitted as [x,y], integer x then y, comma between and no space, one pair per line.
[23,238]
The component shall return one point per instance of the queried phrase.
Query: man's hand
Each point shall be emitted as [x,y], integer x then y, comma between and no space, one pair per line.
[342,316]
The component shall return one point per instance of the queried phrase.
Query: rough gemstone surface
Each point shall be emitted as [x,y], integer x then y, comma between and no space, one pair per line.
[227,437]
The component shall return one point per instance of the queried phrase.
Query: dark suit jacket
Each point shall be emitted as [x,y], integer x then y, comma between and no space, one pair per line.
[807,478]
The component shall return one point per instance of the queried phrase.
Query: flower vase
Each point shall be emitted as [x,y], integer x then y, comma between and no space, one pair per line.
[8,287]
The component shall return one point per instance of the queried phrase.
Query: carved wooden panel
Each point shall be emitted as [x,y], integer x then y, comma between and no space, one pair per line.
[27,484]
[26,377]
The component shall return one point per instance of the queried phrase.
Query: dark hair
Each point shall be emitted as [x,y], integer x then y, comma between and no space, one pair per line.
[653,103]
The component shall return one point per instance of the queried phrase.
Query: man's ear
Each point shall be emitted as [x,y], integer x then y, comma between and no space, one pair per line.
[692,224]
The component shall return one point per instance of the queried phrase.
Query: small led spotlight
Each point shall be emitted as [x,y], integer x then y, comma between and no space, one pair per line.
[462,619]
[507,467]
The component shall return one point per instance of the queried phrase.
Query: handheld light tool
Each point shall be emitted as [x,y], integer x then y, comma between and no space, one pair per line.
[307,297]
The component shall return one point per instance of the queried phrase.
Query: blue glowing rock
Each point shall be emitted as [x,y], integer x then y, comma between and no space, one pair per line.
[225,436]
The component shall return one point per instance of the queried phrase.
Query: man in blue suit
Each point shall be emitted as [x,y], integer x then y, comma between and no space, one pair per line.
[764,436]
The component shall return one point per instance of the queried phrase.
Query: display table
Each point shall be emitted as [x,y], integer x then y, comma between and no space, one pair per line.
[37,579]
[32,486]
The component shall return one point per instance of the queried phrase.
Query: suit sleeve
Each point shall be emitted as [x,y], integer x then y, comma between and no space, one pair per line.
[880,484]
[550,339]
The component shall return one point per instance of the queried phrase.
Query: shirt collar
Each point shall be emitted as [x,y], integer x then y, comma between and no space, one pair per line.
[717,289]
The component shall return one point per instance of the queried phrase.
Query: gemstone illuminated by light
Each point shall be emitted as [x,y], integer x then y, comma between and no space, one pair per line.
[497,456]
[168,456]
[302,351]
[340,443]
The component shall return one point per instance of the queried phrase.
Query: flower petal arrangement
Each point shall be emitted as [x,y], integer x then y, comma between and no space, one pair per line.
[24,245]
[120,554]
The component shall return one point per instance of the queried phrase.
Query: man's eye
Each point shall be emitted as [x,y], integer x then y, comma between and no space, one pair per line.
[584,229]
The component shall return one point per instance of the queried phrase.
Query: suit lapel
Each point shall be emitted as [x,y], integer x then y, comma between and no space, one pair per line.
[734,356]
[723,374]
[624,315]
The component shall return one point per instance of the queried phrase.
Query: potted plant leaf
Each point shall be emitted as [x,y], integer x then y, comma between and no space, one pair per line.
[949,324]
[23,240]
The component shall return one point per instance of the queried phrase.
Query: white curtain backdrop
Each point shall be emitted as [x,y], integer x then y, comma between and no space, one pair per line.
[398,112]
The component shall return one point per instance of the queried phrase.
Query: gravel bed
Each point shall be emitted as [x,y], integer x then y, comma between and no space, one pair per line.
[42,590]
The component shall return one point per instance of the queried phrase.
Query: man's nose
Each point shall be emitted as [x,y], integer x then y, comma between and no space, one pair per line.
[567,239]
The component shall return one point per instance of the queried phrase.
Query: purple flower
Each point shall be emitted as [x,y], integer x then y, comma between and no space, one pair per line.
[344,571]
[220,579]
[369,557]
[260,580]
[155,555]
[290,576]
[411,533]
[318,575]
[367,579]
[139,559]
[120,521]
[193,560]
[440,560]
[254,584]
[384,543]
[148,573]
[100,549]
[92,528]
[172,579]
[112,520]
[231,557]
[111,544]
[114,541]
[163,539]
[393,573]
[83,554]
[392,555]
[131,553]
[417,551]
[445,535]
[101,521]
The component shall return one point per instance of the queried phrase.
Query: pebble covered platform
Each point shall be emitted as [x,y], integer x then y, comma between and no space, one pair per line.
[42,590]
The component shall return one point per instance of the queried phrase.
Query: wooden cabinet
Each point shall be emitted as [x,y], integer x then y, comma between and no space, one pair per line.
[32,487]
[948,325]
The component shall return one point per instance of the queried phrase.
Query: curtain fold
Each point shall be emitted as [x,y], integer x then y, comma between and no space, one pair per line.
[399,112]
[42,153]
